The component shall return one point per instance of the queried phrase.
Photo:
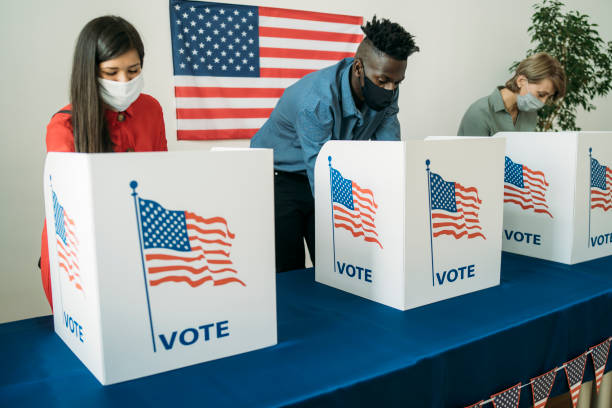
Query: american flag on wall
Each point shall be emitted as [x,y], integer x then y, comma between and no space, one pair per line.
[508,398]
[525,187]
[181,246]
[67,244]
[233,62]
[574,370]
[599,353]
[454,209]
[354,207]
[601,186]
[541,387]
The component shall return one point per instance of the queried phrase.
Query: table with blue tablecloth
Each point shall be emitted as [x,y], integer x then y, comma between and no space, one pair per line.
[336,349]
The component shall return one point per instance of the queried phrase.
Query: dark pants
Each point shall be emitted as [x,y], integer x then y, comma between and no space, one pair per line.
[294,220]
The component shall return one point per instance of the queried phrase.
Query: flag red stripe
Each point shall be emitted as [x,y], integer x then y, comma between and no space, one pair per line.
[467,190]
[365,191]
[270,52]
[534,181]
[367,200]
[525,199]
[458,217]
[219,262]
[223,113]
[195,283]
[219,92]
[277,32]
[467,198]
[455,225]
[309,15]
[284,73]
[358,234]
[164,257]
[458,235]
[341,208]
[534,175]
[521,191]
[193,216]
[195,271]
[604,207]
[526,207]
[209,241]
[464,204]
[203,231]
[72,254]
[354,224]
[205,134]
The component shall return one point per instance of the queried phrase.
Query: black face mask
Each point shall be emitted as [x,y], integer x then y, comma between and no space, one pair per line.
[376,98]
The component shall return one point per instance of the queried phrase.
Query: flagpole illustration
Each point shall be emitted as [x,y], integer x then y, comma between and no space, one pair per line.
[590,188]
[331,197]
[133,185]
[427,162]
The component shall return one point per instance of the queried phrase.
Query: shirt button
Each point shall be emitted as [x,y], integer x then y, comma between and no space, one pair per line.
[121,117]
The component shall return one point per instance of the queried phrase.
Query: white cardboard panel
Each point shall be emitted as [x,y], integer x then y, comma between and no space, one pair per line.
[235,318]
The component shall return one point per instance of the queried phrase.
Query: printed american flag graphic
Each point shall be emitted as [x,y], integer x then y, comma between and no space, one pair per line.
[541,387]
[233,62]
[574,370]
[67,244]
[525,187]
[183,247]
[601,186]
[454,209]
[354,208]
[508,398]
[599,353]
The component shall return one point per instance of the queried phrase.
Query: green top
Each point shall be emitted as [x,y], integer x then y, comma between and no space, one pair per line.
[488,115]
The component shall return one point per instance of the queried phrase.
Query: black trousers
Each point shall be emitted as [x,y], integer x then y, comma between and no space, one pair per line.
[294,220]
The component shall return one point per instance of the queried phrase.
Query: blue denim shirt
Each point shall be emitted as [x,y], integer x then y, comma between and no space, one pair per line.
[318,108]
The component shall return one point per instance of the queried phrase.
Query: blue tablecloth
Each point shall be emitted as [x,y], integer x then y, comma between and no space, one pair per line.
[336,349]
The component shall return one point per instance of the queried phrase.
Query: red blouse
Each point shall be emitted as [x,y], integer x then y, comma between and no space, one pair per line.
[140,128]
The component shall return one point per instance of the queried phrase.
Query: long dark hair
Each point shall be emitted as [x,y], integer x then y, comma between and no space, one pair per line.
[102,39]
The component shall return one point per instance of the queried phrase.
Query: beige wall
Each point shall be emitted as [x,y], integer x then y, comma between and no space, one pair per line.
[466,48]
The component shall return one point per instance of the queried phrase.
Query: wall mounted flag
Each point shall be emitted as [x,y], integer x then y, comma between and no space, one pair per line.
[67,244]
[233,62]
[599,353]
[601,186]
[508,398]
[453,208]
[353,207]
[541,387]
[525,187]
[574,370]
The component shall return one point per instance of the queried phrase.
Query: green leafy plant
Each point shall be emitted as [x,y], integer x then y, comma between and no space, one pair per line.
[586,58]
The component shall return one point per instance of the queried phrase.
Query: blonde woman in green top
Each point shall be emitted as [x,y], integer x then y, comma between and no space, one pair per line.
[514,107]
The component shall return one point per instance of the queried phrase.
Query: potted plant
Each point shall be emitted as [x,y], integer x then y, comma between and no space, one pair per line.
[570,37]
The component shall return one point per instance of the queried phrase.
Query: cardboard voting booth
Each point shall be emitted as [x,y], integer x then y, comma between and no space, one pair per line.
[409,223]
[558,195]
[161,260]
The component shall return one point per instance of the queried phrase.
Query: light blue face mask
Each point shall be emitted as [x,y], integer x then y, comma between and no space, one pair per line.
[528,103]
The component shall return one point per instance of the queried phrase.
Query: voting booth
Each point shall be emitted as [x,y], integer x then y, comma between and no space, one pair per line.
[558,195]
[409,223]
[161,260]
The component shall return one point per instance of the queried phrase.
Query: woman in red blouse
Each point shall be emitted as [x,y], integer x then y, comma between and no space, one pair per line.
[108,112]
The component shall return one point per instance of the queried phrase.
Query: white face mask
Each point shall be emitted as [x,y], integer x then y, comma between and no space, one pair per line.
[120,95]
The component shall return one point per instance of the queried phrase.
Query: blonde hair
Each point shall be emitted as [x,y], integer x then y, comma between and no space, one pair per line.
[539,67]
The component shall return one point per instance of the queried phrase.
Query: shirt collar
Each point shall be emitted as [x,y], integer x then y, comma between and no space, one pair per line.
[348,102]
[496,101]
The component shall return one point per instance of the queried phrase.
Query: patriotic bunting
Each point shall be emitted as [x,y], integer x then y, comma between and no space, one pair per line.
[574,369]
[599,353]
[541,386]
[508,398]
